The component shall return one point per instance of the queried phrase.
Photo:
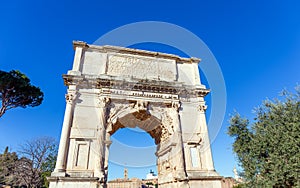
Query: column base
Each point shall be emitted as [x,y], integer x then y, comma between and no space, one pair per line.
[195,179]
[196,174]
[58,174]
[75,182]
[204,182]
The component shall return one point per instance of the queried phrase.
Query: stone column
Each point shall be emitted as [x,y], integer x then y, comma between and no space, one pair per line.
[207,163]
[100,148]
[179,155]
[60,167]
[107,145]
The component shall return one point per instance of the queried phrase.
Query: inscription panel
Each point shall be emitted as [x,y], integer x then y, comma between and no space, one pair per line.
[141,67]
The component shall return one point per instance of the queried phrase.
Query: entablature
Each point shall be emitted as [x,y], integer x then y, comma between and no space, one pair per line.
[136,87]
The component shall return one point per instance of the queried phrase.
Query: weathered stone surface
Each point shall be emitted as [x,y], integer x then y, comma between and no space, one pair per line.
[110,88]
[141,67]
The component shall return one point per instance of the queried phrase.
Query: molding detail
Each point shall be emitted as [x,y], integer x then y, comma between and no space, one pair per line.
[166,132]
[141,105]
[158,89]
[103,101]
[176,105]
[70,97]
[202,108]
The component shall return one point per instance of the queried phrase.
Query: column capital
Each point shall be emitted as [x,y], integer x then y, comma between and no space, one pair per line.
[103,101]
[70,97]
[176,105]
[202,108]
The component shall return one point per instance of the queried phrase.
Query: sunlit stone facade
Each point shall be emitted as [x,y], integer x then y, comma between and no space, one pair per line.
[110,88]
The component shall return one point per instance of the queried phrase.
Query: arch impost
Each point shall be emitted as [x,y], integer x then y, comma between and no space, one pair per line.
[165,147]
[108,142]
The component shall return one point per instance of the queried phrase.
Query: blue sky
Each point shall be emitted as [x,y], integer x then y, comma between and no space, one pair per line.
[256,43]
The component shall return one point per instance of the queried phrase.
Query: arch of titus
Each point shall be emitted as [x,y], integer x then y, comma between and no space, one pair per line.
[114,87]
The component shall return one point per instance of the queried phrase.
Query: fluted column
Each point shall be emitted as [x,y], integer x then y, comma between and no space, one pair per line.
[107,145]
[100,151]
[207,163]
[65,133]
[179,155]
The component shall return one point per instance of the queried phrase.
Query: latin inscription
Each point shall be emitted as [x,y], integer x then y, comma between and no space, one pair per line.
[141,67]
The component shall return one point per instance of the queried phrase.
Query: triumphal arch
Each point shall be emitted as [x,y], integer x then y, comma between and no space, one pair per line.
[110,88]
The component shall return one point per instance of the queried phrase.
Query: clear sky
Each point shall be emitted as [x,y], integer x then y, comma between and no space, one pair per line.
[256,43]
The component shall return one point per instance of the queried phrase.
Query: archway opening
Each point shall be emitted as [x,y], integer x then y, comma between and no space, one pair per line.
[132,149]
[135,138]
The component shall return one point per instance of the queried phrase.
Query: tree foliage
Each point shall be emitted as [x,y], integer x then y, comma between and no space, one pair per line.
[7,166]
[268,149]
[17,91]
[37,161]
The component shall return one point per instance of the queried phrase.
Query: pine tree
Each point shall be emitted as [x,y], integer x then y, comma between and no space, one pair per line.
[17,91]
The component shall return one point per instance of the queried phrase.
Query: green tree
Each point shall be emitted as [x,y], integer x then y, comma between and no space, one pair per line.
[48,165]
[37,162]
[268,149]
[7,167]
[16,91]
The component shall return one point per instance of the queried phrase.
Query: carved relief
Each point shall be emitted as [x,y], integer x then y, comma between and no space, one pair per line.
[103,101]
[175,105]
[167,127]
[165,134]
[167,119]
[166,166]
[131,107]
[141,105]
[116,108]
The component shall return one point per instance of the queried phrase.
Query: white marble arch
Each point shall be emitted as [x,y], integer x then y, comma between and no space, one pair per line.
[113,87]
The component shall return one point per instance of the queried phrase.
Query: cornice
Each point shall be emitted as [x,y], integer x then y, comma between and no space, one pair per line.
[123,50]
